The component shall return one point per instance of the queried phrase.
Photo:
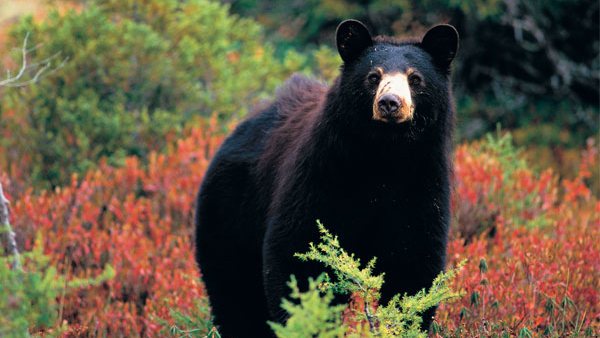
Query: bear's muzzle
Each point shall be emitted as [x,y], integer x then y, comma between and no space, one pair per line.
[393,100]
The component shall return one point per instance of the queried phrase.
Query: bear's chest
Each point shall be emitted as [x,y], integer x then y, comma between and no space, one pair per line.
[376,206]
[386,202]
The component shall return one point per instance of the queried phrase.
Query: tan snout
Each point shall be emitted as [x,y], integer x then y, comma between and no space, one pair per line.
[393,101]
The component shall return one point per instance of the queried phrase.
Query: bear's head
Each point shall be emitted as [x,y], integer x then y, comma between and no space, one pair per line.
[400,86]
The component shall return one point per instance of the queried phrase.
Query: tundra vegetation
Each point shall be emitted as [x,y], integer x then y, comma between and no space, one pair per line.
[101,155]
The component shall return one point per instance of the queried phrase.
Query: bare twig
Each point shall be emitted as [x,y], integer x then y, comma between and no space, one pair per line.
[526,17]
[11,238]
[14,79]
[369,316]
[367,306]
[44,65]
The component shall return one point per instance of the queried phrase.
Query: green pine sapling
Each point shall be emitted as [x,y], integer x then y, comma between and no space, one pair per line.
[315,316]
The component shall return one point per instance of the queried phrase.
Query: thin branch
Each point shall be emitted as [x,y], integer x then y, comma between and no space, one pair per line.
[10,79]
[5,223]
[369,316]
[40,71]
[367,306]
[525,17]
[17,80]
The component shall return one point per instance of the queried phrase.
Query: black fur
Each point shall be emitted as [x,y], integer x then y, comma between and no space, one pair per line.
[315,153]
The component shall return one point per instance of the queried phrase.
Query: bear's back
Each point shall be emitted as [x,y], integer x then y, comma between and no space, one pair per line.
[297,108]
[299,96]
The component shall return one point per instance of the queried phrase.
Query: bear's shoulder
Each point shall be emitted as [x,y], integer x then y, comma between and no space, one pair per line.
[298,105]
[300,95]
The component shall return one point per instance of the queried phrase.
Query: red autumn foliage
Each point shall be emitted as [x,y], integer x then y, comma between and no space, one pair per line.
[532,242]
[536,266]
[138,218]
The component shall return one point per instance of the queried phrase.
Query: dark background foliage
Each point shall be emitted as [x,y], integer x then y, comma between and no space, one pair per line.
[532,64]
[138,72]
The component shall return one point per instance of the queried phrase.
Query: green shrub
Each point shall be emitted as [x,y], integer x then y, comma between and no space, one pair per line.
[134,74]
[28,296]
[314,316]
[191,324]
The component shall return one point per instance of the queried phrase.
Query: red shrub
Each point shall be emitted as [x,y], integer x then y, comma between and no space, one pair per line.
[138,218]
[533,243]
[540,276]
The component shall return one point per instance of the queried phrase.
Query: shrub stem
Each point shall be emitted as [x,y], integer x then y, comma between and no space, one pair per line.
[10,234]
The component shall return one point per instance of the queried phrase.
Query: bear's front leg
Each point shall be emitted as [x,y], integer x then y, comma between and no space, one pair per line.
[282,240]
[277,268]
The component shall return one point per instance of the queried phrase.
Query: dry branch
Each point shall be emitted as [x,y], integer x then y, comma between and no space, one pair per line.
[10,234]
[41,67]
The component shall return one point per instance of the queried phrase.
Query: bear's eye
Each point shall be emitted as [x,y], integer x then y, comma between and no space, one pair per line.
[374,77]
[415,79]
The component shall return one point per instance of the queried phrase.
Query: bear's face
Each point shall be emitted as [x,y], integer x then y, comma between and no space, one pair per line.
[402,86]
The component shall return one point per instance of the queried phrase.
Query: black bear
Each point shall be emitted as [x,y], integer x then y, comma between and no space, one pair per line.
[368,156]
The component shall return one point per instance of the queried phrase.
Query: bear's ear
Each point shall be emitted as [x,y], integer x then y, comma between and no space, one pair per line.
[441,42]
[352,38]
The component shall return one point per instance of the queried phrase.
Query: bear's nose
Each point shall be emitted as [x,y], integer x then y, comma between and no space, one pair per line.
[388,104]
